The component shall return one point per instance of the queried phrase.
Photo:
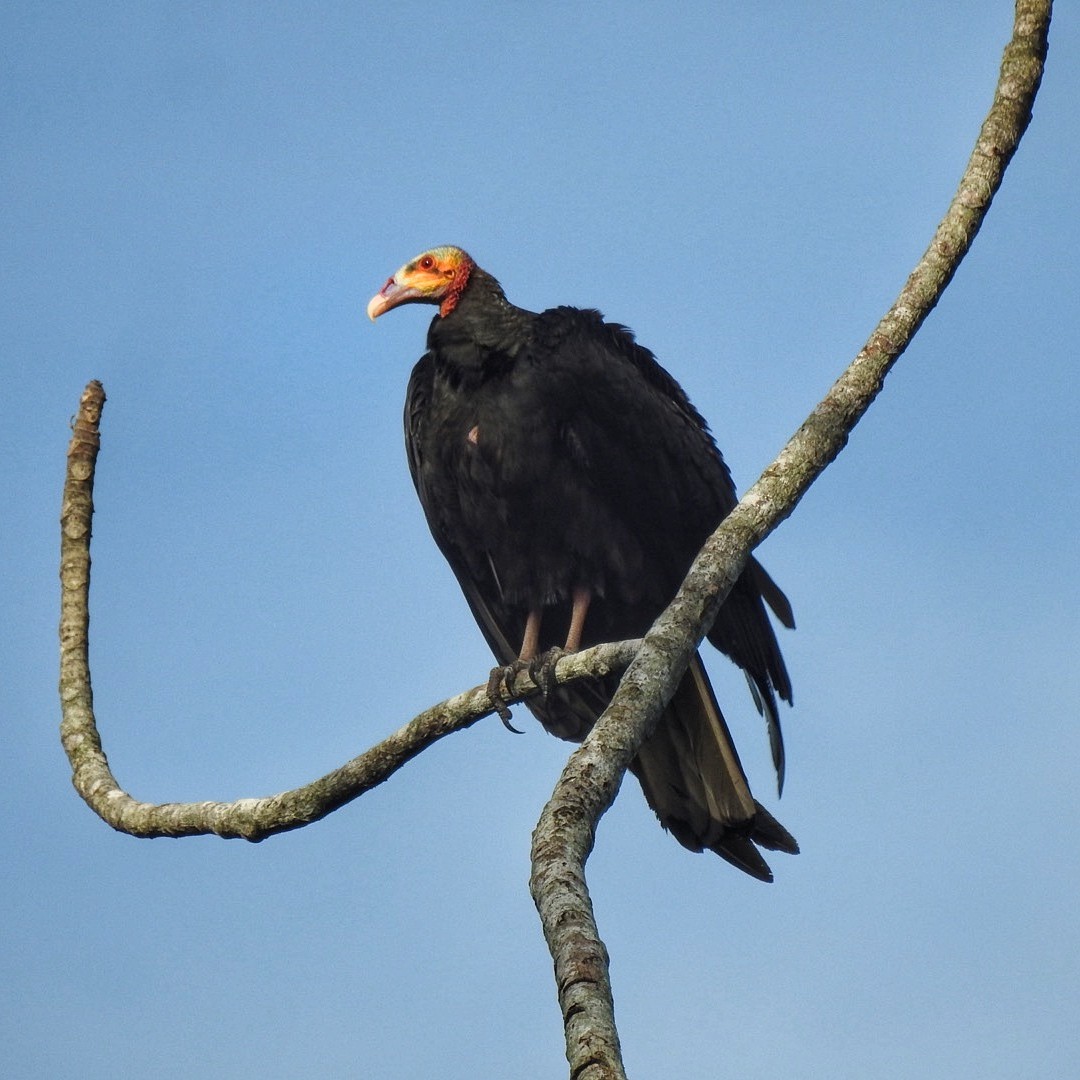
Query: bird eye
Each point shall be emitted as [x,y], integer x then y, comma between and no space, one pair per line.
[427,263]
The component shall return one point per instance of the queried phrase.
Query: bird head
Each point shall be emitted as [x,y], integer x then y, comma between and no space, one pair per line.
[435,277]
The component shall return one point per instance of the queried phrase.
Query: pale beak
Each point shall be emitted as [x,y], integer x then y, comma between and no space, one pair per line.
[390,295]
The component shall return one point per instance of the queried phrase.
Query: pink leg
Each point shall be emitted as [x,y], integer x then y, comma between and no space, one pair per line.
[582,598]
[531,644]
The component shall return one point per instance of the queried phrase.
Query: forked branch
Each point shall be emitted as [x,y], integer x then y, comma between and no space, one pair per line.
[587,787]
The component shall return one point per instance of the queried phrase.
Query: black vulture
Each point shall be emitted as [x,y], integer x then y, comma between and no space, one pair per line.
[569,482]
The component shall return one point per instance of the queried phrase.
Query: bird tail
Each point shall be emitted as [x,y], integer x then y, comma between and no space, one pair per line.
[693,779]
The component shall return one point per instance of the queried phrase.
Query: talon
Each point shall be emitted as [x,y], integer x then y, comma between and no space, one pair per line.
[542,670]
[498,686]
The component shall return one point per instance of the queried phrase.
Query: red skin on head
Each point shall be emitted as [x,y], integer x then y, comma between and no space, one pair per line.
[437,276]
[462,270]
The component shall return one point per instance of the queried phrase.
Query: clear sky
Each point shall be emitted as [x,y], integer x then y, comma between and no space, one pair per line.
[198,200]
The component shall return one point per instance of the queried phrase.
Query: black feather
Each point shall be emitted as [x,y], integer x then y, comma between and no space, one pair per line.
[551,452]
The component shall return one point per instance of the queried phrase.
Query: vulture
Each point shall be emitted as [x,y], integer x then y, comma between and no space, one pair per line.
[569,482]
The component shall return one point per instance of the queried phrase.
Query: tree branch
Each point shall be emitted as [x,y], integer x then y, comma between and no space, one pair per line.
[566,830]
[587,787]
[251,818]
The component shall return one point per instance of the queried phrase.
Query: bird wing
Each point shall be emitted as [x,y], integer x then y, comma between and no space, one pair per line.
[628,434]
[656,470]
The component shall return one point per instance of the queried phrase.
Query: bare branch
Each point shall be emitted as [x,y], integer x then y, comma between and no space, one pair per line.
[566,831]
[252,818]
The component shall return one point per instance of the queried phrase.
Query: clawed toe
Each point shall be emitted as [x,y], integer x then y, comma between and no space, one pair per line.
[499,685]
[542,670]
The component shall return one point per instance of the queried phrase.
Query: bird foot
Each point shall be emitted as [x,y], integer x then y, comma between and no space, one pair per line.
[500,687]
[542,669]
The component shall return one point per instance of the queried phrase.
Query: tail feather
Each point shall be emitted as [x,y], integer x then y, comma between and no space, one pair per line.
[742,631]
[769,833]
[772,594]
[692,778]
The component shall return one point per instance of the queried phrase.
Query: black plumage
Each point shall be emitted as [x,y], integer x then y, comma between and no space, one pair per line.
[569,482]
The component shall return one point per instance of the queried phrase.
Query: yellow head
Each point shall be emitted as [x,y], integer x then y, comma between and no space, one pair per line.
[435,277]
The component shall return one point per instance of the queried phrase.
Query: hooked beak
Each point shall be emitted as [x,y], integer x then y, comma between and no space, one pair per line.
[390,295]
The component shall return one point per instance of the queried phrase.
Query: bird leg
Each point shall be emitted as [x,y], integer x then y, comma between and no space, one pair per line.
[542,668]
[530,644]
[582,599]
[501,679]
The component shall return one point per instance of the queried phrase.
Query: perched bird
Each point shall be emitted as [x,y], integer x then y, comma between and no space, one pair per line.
[569,482]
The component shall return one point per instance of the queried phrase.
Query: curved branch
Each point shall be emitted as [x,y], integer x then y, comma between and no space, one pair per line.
[566,830]
[252,818]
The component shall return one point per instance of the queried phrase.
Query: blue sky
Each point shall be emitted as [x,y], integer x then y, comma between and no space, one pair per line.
[198,200]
